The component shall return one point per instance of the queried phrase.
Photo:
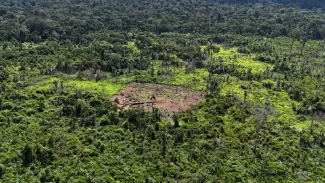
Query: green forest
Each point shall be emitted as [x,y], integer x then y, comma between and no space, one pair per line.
[148,91]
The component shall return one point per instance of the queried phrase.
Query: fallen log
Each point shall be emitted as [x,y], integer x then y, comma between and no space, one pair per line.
[137,103]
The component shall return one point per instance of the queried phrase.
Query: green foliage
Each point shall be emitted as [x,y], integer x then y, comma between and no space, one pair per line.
[260,67]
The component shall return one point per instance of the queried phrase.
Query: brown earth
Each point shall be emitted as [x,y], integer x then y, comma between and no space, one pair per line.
[169,99]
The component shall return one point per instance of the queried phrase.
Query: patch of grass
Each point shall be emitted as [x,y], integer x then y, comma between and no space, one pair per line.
[195,81]
[231,56]
[248,63]
[178,77]
[258,95]
[226,52]
[105,87]
[134,48]
[232,87]
[42,83]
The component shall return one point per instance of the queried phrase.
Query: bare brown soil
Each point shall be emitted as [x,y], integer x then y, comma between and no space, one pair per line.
[169,99]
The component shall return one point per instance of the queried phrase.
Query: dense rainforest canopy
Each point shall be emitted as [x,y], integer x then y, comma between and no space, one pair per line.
[99,91]
[301,3]
[37,21]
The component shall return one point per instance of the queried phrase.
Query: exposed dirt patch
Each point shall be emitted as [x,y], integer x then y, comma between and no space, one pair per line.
[169,99]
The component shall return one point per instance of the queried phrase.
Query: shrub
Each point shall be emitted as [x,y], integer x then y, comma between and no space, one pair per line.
[268,83]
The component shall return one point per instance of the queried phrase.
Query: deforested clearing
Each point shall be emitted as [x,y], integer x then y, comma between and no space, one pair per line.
[169,99]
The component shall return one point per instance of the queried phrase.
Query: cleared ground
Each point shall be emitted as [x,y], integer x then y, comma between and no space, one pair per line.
[169,99]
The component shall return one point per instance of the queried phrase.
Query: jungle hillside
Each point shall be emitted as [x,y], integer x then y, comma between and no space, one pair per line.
[148,91]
